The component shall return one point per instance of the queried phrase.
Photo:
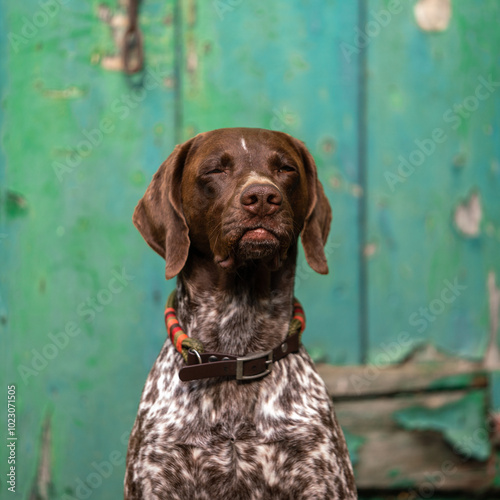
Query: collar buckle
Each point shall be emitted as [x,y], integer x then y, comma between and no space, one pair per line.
[253,357]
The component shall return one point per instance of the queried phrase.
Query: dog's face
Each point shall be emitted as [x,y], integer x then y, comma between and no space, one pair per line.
[236,196]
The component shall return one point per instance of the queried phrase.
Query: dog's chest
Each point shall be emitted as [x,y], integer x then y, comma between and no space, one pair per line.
[263,439]
[201,412]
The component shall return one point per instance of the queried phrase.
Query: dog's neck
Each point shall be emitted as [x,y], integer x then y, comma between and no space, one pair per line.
[239,312]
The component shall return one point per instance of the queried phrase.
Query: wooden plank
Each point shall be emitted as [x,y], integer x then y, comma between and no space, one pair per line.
[85,292]
[433,100]
[280,66]
[388,456]
[376,380]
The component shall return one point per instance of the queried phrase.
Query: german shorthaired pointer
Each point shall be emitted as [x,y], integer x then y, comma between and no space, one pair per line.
[225,210]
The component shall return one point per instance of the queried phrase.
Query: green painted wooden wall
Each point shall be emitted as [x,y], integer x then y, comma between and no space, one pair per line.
[81,294]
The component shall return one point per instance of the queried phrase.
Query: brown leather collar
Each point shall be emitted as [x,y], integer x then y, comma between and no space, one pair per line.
[250,367]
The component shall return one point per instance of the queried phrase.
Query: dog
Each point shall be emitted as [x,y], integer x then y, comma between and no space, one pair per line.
[241,414]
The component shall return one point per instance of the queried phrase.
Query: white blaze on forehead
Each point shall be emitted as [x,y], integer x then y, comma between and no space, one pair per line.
[255,178]
[244,144]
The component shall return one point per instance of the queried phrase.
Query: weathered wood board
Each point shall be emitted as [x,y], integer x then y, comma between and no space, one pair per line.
[417,429]
[374,380]
[392,457]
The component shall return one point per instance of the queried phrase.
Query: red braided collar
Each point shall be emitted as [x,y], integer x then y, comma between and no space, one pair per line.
[177,335]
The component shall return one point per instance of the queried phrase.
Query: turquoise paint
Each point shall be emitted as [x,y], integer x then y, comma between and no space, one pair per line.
[462,423]
[354,444]
[417,245]
[463,380]
[76,236]
[292,77]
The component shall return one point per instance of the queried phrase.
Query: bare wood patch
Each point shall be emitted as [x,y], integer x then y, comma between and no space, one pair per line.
[372,380]
[42,488]
[408,459]
[468,216]
[433,15]
[492,357]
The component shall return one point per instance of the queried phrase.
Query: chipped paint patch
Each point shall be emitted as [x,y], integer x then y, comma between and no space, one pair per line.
[67,93]
[468,216]
[492,357]
[433,15]
[43,488]
[458,381]
[462,423]
[118,23]
[191,58]
[370,249]
[357,190]
[15,204]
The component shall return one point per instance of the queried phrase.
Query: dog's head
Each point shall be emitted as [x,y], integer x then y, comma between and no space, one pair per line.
[236,195]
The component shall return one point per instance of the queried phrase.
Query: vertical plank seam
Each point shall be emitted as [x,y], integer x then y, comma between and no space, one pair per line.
[178,65]
[4,254]
[362,200]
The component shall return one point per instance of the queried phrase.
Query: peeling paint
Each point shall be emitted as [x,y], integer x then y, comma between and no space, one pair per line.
[460,160]
[15,204]
[357,190]
[433,15]
[370,249]
[492,357]
[495,430]
[192,58]
[117,23]
[191,13]
[462,423]
[458,381]
[335,182]
[328,145]
[468,216]
[42,488]
[425,353]
[72,92]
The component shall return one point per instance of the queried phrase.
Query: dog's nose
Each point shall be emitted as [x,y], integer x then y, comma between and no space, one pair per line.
[261,199]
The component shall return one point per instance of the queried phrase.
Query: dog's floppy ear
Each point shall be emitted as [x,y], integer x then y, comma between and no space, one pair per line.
[318,219]
[159,216]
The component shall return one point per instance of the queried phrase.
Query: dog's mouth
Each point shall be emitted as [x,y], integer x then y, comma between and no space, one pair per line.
[252,244]
[258,235]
